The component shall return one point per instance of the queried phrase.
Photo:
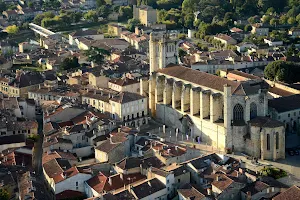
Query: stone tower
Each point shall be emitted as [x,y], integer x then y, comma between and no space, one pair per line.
[163,51]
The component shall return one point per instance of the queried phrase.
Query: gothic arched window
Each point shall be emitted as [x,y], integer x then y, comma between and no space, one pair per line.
[238,113]
[253,110]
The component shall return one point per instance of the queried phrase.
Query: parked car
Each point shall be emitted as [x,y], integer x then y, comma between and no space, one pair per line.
[290,151]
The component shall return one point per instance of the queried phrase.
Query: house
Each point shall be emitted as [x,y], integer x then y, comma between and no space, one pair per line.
[273,42]
[291,193]
[101,183]
[294,32]
[114,29]
[124,85]
[97,79]
[244,46]
[129,108]
[240,76]
[5,63]
[263,188]
[20,156]
[146,14]
[129,165]
[113,149]
[225,39]
[236,30]
[61,176]
[11,15]
[93,34]
[28,186]
[22,83]
[181,175]
[189,191]
[150,189]
[7,48]
[287,110]
[259,29]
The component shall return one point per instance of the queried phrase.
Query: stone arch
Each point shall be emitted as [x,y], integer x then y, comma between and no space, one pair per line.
[253,110]
[238,113]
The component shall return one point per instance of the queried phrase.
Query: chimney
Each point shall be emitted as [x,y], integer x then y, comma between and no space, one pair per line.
[121,176]
[241,170]
[208,191]
[218,178]
[176,148]
[95,92]
[119,130]
[169,151]
[248,195]
[110,181]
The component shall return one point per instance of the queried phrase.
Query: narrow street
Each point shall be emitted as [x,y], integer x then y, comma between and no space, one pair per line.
[37,157]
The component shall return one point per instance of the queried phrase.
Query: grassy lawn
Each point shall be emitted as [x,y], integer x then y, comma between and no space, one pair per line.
[71,28]
[28,68]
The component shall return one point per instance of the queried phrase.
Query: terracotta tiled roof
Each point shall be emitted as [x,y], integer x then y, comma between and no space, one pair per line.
[198,77]
[102,183]
[291,193]
[223,182]
[189,192]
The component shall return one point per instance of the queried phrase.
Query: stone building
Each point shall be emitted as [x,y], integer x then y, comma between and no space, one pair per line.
[225,114]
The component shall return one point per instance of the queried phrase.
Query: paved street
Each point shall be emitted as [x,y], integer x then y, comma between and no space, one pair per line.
[291,164]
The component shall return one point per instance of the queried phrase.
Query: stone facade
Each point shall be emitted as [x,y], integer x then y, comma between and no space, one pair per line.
[217,110]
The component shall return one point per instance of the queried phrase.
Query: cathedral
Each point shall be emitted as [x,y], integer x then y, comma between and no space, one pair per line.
[228,115]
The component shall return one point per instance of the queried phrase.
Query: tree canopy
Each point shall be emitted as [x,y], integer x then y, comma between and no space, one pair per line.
[283,71]
[13,29]
[70,63]
[97,55]
[4,195]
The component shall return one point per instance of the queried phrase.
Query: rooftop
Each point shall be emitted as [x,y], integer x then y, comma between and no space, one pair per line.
[285,104]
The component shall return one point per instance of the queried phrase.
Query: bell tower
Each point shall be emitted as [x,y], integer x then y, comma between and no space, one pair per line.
[162,50]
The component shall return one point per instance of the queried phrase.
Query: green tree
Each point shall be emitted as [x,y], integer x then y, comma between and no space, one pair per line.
[266,19]
[97,55]
[248,28]
[189,20]
[70,63]
[100,3]
[13,29]
[4,195]
[283,71]
[125,13]
[30,4]
[132,23]
[291,20]
[292,51]
[298,19]
[274,22]
[103,11]
[283,19]
[91,16]
[3,6]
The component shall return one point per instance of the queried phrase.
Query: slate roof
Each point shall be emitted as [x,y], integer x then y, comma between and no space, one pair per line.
[129,163]
[12,139]
[123,81]
[284,104]
[69,194]
[152,162]
[125,97]
[148,187]
[265,122]
[198,77]
[80,33]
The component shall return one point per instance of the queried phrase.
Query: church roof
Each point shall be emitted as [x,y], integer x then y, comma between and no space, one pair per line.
[247,88]
[265,122]
[198,77]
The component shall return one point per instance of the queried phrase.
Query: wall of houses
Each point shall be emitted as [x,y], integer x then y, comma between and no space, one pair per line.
[12,145]
[75,183]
